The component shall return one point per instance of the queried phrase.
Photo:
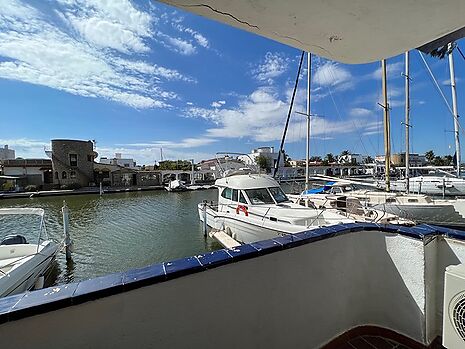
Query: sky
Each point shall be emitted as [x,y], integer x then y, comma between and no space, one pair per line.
[138,76]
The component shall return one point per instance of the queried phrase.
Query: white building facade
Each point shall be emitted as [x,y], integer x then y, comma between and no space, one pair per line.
[120,161]
[266,152]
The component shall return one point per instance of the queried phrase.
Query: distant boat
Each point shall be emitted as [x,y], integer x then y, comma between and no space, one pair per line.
[22,264]
[439,183]
[176,185]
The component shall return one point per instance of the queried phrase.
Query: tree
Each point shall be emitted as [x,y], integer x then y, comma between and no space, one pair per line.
[315,159]
[429,155]
[369,160]
[329,158]
[448,160]
[345,152]
[262,162]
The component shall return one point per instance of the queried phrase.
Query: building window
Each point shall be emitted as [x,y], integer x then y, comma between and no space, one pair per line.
[63,175]
[56,174]
[72,174]
[73,159]
[89,158]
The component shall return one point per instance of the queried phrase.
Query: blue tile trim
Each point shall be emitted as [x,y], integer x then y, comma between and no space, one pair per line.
[144,276]
[215,258]
[43,300]
[36,302]
[98,287]
[183,266]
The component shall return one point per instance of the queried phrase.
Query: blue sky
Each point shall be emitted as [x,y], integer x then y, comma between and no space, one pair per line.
[138,76]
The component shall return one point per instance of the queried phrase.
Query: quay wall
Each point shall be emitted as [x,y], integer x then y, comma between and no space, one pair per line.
[297,292]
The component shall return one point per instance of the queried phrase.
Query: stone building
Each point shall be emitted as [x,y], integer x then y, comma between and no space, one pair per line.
[73,162]
[6,153]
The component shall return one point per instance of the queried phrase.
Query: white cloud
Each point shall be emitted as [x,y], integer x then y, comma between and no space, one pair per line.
[199,38]
[27,148]
[274,65]
[261,117]
[218,104]
[178,45]
[185,143]
[393,70]
[360,112]
[149,155]
[37,51]
[333,75]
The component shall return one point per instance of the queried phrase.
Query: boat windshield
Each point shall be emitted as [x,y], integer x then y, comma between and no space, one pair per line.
[278,194]
[259,196]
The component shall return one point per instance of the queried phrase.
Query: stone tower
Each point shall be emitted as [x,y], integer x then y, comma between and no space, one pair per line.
[73,162]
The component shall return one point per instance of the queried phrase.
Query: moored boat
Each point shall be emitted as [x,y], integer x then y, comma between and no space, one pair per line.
[22,264]
[253,207]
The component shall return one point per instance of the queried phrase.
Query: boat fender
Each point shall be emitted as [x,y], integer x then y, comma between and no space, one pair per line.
[242,208]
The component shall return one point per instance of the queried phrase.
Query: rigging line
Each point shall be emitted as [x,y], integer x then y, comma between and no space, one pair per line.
[460,51]
[339,114]
[439,90]
[289,114]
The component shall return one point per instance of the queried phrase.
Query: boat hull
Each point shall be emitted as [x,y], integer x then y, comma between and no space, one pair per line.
[23,277]
[246,229]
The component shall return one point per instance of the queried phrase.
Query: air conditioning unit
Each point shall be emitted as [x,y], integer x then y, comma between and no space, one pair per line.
[453,336]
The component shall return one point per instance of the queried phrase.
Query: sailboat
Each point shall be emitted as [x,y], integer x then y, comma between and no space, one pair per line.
[438,182]
[419,208]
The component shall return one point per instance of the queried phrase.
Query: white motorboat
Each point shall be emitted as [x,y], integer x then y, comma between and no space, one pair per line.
[22,264]
[176,185]
[253,207]
[445,184]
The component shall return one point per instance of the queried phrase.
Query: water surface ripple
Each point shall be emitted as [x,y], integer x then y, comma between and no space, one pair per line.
[117,232]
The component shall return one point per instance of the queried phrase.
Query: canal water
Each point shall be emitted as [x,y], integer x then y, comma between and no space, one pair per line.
[117,232]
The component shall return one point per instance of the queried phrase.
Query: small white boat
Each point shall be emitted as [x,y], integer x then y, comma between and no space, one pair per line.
[439,183]
[253,207]
[176,185]
[22,264]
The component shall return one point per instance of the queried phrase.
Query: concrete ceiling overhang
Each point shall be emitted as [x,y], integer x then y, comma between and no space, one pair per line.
[350,31]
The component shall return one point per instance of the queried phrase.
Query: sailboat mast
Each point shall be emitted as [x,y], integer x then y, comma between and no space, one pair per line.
[387,127]
[307,157]
[454,108]
[407,123]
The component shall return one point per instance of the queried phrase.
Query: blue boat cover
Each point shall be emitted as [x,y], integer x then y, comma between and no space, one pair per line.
[323,189]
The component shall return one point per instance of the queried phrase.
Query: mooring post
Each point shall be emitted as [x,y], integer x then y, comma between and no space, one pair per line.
[204,226]
[443,187]
[101,189]
[68,241]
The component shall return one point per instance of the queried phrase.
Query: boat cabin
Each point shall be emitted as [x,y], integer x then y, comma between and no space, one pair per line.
[251,189]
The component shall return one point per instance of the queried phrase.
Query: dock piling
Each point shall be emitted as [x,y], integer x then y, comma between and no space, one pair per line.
[204,225]
[68,241]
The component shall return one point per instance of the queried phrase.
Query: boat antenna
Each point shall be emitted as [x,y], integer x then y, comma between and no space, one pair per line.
[288,115]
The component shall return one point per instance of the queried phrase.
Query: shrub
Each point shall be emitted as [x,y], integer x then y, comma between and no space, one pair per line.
[70,186]
[7,186]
